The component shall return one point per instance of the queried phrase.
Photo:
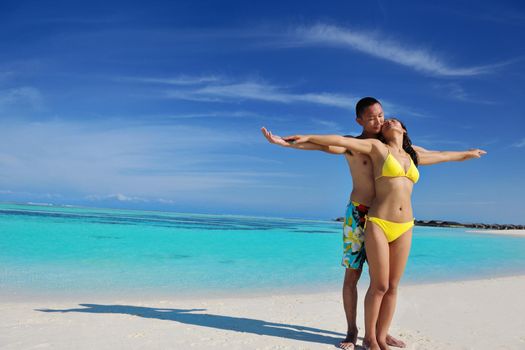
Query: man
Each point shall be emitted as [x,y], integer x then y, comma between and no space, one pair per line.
[369,114]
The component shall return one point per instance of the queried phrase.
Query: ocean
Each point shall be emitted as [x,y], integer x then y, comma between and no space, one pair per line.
[49,250]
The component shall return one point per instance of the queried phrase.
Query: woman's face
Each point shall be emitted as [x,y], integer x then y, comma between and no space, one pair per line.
[390,127]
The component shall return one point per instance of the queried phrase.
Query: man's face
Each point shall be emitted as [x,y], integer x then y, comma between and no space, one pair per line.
[372,119]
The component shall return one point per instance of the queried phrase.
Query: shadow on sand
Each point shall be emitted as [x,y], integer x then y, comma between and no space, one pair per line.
[229,323]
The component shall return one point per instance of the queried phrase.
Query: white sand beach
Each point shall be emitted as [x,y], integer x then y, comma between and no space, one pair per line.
[483,314]
[500,232]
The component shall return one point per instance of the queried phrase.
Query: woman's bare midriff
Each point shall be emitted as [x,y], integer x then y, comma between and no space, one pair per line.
[393,199]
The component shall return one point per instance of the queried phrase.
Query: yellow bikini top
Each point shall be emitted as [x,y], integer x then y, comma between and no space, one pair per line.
[392,168]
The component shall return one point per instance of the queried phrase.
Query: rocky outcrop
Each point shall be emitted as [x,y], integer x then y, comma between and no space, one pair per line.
[437,223]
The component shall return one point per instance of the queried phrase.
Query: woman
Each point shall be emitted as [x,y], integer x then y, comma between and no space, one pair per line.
[388,232]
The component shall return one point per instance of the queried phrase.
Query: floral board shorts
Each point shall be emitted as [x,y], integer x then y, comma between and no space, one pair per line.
[354,255]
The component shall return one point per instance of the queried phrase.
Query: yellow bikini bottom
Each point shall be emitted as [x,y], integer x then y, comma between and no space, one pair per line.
[392,230]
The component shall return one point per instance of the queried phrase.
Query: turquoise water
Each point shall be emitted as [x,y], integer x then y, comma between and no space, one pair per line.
[58,249]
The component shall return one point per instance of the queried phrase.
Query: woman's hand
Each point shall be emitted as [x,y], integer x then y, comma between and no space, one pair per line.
[474,153]
[275,139]
[436,157]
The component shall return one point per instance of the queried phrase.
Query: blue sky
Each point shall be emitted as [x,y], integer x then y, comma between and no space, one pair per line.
[158,105]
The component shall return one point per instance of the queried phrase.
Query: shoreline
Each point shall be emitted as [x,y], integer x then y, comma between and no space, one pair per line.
[16,296]
[486,313]
[519,233]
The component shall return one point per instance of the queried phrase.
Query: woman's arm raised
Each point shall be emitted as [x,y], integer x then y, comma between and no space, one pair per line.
[366,146]
[307,146]
[429,158]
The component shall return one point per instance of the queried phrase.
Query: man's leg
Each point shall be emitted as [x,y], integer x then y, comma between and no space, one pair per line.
[350,305]
[354,257]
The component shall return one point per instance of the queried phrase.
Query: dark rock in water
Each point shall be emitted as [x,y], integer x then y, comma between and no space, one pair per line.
[436,223]
[340,219]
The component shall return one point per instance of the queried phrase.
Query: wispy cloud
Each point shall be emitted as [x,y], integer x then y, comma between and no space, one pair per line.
[128,162]
[24,95]
[519,144]
[124,198]
[215,88]
[180,80]
[171,117]
[118,197]
[400,111]
[328,126]
[223,114]
[456,92]
[380,46]
[38,195]
[228,90]
[250,90]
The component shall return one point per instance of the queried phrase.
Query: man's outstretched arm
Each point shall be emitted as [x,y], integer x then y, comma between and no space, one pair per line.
[307,146]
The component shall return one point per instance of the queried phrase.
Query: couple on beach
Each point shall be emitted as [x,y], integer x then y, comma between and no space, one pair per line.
[383,165]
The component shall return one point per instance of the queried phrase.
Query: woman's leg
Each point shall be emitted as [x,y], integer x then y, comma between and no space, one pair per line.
[377,253]
[399,251]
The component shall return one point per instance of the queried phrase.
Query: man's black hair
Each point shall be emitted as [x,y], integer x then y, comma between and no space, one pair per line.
[363,104]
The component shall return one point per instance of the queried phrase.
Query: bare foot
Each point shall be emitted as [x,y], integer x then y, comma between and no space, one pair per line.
[367,345]
[349,342]
[390,340]
[383,345]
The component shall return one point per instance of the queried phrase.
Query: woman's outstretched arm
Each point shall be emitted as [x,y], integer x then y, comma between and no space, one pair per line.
[307,146]
[366,146]
[429,158]
[420,149]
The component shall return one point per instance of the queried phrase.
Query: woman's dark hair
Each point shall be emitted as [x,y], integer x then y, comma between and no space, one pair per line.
[407,143]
